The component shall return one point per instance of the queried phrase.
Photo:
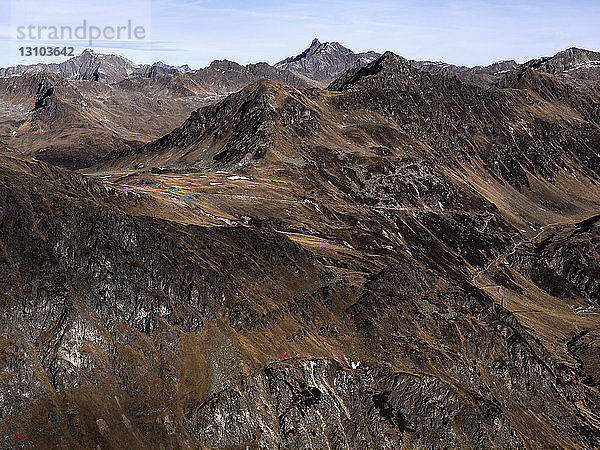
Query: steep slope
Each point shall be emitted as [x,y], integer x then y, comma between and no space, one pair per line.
[76,123]
[573,63]
[478,75]
[325,62]
[123,330]
[508,129]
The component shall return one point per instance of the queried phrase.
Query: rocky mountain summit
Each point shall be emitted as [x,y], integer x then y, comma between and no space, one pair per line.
[89,65]
[573,63]
[479,75]
[326,61]
[158,69]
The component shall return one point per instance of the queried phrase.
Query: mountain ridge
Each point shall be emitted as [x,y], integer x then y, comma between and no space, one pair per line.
[324,62]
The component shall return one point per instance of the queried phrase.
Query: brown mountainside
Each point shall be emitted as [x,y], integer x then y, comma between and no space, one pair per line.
[402,260]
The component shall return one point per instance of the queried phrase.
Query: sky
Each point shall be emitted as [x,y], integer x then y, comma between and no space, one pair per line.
[195,32]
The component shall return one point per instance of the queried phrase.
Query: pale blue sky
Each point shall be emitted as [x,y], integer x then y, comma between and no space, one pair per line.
[197,31]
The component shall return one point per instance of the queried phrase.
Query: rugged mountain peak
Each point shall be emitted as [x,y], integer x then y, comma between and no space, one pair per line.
[89,65]
[576,63]
[159,68]
[389,59]
[87,53]
[314,47]
[326,61]
[390,66]
[234,132]
[225,64]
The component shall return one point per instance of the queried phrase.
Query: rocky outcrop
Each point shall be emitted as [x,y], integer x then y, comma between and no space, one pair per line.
[90,66]
[121,330]
[478,75]
[325,62]
[573,63]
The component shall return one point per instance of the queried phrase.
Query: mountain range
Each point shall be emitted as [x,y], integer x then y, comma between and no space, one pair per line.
[325,62]
[99,89]
[339,251]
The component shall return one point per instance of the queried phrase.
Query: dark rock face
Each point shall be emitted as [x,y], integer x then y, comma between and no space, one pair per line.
[122,330]
[390,226]
[478,75]
[326,61]
[88,66]
[573,63]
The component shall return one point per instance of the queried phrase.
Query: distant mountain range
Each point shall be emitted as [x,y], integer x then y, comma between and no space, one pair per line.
[90,66]
[145,102]
[320,64]
[326,61]
[159,68]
